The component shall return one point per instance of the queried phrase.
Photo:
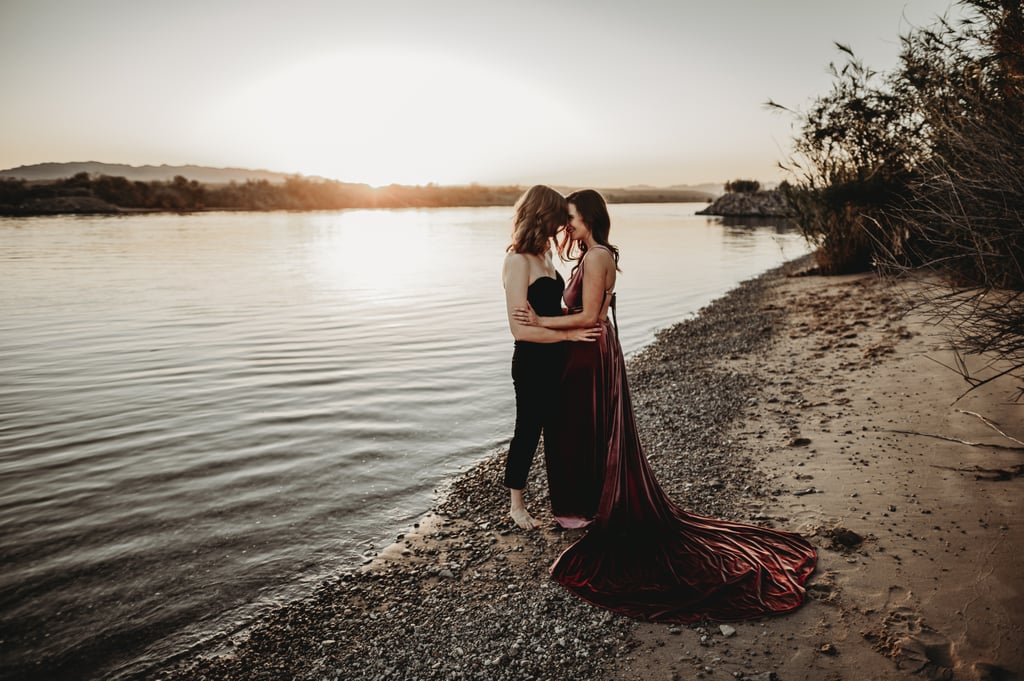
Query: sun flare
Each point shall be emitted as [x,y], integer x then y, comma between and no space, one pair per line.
[385,116]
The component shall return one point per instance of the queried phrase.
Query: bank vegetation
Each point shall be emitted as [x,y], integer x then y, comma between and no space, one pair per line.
[921,169]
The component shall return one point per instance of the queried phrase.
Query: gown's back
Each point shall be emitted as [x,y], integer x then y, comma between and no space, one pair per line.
[643,556]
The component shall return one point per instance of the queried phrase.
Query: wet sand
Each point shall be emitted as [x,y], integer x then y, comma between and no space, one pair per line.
[780,404]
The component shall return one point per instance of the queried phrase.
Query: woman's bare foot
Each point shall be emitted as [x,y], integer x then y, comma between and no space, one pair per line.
[519,513]
[523,518]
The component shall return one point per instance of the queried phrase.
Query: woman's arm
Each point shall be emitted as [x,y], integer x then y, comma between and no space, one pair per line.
[599,266]
[515,275]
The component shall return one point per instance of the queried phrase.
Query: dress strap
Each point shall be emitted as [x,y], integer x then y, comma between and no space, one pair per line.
[611,306]
[608,292]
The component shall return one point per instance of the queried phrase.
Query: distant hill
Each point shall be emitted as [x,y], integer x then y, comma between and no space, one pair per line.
[207,175]
[161,173]
[712,188]
[654,195]
[94,187]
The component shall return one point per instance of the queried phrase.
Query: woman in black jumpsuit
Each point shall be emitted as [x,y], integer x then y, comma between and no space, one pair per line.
[529,275]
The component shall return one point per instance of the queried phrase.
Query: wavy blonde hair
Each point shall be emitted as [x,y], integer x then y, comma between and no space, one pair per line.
[539,212]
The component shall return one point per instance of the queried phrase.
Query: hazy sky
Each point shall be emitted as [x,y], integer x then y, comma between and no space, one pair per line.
[574,92]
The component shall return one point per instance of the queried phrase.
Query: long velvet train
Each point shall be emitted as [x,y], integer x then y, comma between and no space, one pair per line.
[643,556]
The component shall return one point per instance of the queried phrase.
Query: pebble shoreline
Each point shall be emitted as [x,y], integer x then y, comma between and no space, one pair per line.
[466,595]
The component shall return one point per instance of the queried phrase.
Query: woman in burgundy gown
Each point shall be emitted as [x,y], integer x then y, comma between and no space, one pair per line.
[643,555]
[529,276]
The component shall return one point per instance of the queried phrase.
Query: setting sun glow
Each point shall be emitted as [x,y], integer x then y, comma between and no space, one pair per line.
[381,116]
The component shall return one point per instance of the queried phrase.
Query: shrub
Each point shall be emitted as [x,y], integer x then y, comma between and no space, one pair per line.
[966,207]
[854,156]
[743,186]
[923,169]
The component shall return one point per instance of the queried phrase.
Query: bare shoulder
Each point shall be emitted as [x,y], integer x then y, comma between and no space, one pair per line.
[600,257]
[515,271]
[516,262]
[518,258]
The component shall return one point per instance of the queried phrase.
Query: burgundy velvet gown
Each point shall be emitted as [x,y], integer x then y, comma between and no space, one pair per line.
[643,556]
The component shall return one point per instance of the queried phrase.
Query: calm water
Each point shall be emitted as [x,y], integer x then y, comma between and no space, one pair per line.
[204,415]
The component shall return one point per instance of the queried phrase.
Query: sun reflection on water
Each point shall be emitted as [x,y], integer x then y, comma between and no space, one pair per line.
[375,254]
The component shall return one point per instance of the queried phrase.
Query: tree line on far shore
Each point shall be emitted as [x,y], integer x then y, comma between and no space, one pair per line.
[922,169]
[104,193]
[83,193]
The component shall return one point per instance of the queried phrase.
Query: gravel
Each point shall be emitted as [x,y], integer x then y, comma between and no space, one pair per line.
[466,595]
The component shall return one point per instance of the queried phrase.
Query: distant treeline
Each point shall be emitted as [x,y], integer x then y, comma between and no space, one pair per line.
[83,193]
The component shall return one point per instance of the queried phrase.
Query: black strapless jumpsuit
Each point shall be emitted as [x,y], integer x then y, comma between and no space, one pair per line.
[536,371]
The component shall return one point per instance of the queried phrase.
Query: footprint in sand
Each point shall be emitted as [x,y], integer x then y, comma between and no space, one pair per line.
[824,589]
[986,671]
[914,646]
[926,652]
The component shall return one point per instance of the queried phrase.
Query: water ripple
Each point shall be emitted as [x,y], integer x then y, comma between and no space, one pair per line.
[199,415]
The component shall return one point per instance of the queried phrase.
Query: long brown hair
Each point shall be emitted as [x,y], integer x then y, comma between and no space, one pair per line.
[594,212]
[539,212]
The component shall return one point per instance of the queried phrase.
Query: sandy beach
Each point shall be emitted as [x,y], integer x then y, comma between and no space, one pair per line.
[806,403]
